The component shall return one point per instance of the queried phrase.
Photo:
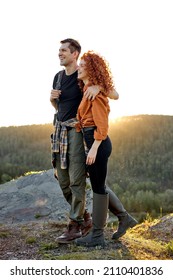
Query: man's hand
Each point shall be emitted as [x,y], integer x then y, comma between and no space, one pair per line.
[91,92]
[54,94]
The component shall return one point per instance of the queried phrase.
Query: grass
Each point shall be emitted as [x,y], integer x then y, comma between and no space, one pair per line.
[169,247]
[4,234]
[31,240]
[150,240]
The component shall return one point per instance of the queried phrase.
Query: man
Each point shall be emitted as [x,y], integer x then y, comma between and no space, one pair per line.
[67,144]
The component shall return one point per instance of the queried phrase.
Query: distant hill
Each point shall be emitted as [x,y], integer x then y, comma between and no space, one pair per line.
[142,150]
[24,149]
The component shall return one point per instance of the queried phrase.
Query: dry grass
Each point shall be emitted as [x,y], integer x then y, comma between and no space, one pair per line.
[147,241]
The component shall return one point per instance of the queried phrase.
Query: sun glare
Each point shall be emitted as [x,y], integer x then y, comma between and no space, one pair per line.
[117,110]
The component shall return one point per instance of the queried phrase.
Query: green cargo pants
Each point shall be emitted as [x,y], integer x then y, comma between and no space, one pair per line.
[73,179]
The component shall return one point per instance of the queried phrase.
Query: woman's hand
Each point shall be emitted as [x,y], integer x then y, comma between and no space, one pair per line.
[91,155]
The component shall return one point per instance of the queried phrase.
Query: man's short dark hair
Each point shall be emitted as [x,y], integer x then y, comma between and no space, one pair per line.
[73,45]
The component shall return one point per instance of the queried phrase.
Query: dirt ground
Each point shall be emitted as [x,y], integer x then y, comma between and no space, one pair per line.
[37,240]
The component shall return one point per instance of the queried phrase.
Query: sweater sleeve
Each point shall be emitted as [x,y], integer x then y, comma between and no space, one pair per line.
[100,112]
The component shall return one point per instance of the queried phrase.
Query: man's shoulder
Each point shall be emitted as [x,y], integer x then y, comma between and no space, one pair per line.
[59,73]
[58,78]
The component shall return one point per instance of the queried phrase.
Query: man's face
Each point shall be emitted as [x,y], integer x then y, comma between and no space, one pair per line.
[65,55]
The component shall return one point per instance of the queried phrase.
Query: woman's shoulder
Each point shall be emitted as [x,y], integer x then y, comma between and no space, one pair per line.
[101,97]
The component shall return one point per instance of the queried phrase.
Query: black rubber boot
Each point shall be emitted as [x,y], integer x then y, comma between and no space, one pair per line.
[115,205]
[125,220]
[99,216]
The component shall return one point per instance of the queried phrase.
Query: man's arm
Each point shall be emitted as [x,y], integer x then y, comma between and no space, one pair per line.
[92,91]
[113,94]
[54,104]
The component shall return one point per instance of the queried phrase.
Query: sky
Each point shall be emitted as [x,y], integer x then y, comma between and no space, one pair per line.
[134,36]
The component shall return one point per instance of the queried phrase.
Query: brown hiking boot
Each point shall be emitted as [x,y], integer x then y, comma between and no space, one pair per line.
[72,232]
[87,224]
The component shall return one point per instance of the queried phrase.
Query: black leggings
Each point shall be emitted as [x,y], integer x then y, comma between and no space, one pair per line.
[98,170]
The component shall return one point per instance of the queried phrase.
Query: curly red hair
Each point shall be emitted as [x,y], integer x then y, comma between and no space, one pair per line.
[98,71]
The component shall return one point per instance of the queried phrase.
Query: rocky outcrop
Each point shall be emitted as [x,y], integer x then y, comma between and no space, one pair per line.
[33,197]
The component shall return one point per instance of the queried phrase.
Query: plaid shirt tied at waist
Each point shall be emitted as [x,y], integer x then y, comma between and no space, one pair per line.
[59,139]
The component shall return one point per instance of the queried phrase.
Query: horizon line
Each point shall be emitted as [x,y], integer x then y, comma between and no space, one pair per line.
[110,120]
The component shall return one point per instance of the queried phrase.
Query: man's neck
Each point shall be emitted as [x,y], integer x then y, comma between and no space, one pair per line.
[70,69]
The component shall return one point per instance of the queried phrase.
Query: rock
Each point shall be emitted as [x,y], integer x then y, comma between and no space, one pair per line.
[33,197]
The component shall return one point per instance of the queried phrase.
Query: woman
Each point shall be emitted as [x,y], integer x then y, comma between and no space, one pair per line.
[93,121]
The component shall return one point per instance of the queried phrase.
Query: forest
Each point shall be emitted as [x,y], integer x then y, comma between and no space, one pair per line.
[140,167]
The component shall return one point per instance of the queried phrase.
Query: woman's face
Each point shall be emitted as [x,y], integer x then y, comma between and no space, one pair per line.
[82,73]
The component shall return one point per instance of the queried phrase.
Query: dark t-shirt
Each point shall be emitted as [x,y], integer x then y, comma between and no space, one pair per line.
[70,97]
